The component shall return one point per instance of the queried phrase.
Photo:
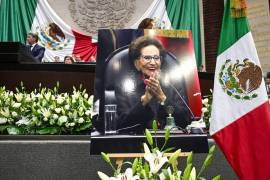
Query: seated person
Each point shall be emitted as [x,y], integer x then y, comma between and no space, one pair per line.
[147,23]
[68,60]
[145,97]
[36,50]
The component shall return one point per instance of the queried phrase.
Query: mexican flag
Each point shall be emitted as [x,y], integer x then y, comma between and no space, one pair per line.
[23,16]
[240,119]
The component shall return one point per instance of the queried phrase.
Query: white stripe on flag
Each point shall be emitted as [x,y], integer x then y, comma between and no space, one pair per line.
[225,110]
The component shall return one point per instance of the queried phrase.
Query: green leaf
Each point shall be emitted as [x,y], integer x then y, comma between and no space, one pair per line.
[84,127]
[149,137]
[167,134]
[187,172]
[229,93]
[218,177]
[174,156]
[254,95]
[47,130]
[105,157]
[189,158]
[212,149]
[168,149]
[134,166]
[14,130]
[154,125]
[207,161]
[3,128]
[166,173]
[146,169]
[201,178]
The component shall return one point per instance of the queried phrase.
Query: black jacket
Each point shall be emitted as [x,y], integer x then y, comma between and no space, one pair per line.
[37,52]
[131,112]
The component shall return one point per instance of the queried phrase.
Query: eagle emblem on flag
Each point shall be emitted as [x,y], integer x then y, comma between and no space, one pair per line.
[52,37]
[240,80]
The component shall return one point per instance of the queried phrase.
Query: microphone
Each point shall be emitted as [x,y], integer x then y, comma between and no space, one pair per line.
[193,118]
[128,127]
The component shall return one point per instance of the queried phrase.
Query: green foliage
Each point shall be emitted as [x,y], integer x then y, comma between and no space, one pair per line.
[44,111]
[156,166]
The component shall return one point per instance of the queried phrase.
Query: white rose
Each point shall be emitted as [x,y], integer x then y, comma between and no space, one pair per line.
[59,100]
[81,120]
[72,124]
[55,116]
[67,107]
[14,114]
[57,110]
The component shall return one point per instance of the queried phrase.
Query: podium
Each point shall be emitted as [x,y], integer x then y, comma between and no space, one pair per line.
[15,52]
[131,146]
[197,143]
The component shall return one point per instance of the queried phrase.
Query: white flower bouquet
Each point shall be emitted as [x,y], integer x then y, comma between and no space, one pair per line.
[156,165]
[44,111]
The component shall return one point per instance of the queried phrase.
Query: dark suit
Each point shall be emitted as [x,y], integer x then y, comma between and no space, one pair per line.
[131,111]
[37,52]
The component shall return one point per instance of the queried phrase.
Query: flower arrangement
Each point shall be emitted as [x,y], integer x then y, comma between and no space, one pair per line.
[156,165]
[207,108]
[44,111]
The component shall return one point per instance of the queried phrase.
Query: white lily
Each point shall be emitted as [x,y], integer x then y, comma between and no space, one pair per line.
[19,97]
[192,174]
[46,113]
[171,175]
[204,109]
[85,96]
[91,99]
[3,120]
[14,114]
[16,105]
[67,107]
[59,100]
[156,160]
[47,96]
[123,176]
[62,120]
[205,101]
[57,110]
[28,98]
[75,95]
[23,121]
[80,120]
[5,112]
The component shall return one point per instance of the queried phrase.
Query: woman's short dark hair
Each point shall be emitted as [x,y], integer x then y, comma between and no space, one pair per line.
[71,58]
[138,44]
[146,23]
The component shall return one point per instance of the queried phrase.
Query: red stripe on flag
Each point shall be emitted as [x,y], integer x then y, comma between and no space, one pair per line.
[246,144]
[84,47]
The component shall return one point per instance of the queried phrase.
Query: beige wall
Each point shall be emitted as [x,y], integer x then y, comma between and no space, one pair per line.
[259,20]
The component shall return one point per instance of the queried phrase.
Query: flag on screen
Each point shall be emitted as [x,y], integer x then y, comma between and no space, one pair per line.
[240,118]
[17,18]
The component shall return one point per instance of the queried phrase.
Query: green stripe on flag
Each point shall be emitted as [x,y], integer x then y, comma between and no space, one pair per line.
[232,29]
[16,17]
[184,15]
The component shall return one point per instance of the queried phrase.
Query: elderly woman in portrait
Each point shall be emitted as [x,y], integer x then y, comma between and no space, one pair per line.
[143,97]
